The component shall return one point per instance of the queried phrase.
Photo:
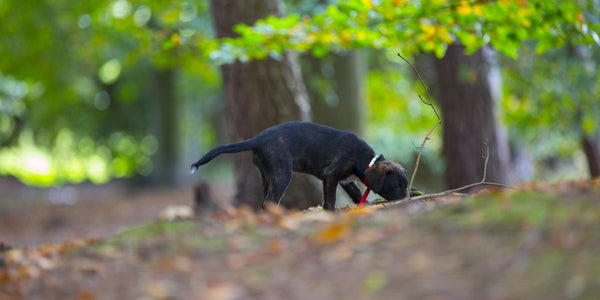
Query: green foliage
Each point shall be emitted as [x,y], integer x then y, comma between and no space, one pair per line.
[415,26]
[551,101]
[81,74]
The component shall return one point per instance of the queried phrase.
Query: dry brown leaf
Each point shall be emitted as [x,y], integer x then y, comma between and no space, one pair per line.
[222,290]
[362,210]
[334,232]
[274,245]
[157,290]
[85,295]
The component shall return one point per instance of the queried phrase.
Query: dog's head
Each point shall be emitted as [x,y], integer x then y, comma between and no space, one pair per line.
[388,179]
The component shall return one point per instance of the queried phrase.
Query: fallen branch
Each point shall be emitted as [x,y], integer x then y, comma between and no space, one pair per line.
[455,191]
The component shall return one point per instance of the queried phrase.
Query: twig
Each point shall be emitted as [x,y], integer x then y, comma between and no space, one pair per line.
[410,200]
[418,74]
[487,157]
[439,121]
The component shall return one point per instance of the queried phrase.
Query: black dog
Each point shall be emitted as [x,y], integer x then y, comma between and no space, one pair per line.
[332,155]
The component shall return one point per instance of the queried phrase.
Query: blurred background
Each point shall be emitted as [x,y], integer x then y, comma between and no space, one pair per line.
[127,94]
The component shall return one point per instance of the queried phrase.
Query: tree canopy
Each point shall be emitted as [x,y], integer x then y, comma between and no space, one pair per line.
[416,26]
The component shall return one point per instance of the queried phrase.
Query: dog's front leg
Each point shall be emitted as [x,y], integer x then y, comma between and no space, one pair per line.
[352,190]
[329,188]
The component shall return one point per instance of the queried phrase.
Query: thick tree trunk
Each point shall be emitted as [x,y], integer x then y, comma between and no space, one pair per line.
[465,98]
[260,94]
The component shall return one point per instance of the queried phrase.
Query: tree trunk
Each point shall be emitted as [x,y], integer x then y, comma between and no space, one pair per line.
[591,148]
[339,104]
[467,106]
[162,91]
[260,94]
[582,57]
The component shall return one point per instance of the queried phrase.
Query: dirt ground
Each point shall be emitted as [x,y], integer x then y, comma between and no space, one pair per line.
[32,216]
[537,243]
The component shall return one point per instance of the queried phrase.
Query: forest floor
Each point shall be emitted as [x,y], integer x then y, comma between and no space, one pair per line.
[540,242]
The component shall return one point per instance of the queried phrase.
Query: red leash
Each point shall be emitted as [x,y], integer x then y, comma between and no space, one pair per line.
[364,196]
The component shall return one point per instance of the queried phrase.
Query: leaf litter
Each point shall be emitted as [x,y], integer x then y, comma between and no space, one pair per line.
[539,242]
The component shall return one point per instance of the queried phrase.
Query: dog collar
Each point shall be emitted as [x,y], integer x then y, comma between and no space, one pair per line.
[373,161]
[364,196]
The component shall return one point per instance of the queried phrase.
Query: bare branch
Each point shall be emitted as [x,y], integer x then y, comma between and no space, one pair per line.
[414,173]
[418,74]
[487,157]
[456,190]
[439,121]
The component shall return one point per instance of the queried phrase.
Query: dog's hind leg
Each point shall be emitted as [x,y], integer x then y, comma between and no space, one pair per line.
[352,190]
[279,180]
[329,190]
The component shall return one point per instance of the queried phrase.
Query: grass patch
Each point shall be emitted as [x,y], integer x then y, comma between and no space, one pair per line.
[150,230]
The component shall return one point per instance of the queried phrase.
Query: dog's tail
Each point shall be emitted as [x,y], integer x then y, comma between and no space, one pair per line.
[246,145]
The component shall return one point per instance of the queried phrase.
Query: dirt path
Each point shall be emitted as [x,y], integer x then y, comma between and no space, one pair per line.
[31,216]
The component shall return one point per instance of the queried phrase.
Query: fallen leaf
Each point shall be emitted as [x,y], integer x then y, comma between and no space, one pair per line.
[333,232]
[362,211]
[222,290]
[157,290]
[85,295]
[176,212]
[274,245]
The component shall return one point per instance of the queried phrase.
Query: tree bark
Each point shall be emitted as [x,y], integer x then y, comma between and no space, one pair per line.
[162,91]
[340,105]
[467,106]
[581,56]
[591,148]
[260,94]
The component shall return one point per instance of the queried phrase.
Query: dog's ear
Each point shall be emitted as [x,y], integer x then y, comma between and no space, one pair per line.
[375,175]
